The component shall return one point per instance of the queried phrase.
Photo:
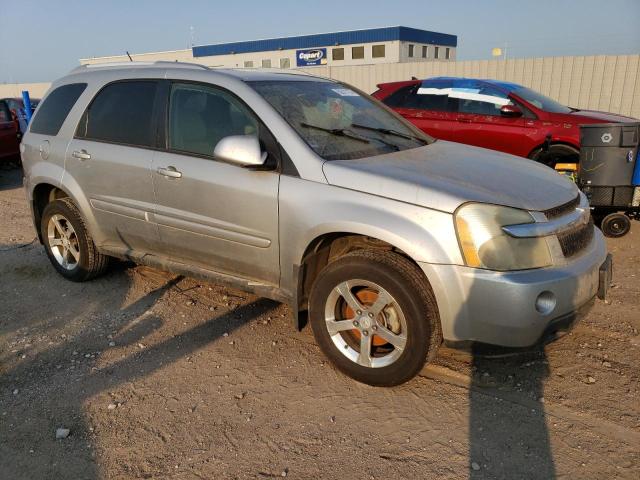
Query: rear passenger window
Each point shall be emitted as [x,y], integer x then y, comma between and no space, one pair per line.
[121,112]
[434,95]
[55,108]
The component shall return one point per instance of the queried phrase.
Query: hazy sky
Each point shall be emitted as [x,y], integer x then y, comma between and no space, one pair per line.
[42,39]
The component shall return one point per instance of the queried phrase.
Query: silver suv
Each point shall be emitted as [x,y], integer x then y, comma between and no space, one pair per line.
[307,191]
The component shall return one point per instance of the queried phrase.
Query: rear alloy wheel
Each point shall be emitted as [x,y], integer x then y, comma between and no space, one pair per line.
[615,225]
[374,315]
[68,244]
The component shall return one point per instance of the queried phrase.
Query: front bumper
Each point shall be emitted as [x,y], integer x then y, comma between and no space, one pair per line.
[503,308]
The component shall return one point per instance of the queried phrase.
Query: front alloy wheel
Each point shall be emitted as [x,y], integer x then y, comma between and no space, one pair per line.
[374,315]
[366,323]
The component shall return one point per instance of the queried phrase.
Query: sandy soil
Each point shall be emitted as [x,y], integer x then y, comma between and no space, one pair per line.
[160,376]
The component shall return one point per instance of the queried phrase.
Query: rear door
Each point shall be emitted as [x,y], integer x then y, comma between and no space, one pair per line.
[481,123]
[110,157]
[8,132]
[213,214]
[430,108]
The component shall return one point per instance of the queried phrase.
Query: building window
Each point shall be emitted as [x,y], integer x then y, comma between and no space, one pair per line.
[425,51]
[285,63]
[411,50]
[248,64]
[377,51]
[337,54]
[266,63]
[357,53]
[436,52]
[447,53]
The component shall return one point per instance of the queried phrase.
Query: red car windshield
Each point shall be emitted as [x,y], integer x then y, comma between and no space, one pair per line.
[540,101]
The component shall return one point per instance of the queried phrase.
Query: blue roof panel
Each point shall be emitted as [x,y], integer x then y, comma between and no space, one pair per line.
[384,34]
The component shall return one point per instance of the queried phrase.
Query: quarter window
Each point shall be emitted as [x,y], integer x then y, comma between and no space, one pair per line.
[55,108]
[337,54]
[377,51]
[357,53]
[201,116]
[121,112]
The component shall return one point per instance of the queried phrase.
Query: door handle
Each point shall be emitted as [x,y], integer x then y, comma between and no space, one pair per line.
[170,172]
[464,120]
[81,155]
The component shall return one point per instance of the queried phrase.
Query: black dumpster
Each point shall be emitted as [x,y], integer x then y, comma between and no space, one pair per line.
[610,173]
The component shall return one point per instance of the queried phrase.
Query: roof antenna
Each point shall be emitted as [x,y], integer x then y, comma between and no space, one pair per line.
[130,59]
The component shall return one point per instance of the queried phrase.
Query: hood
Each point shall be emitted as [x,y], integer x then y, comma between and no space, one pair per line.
[593,116]
[445,175]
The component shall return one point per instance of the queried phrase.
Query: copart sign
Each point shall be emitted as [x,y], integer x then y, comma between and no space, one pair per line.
[310,57]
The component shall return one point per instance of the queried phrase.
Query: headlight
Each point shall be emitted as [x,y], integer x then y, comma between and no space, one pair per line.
[485,245]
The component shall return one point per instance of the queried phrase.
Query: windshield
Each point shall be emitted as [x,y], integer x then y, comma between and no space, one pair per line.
[540,101]
[338,122]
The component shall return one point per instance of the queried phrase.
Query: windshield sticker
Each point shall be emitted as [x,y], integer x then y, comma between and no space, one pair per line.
[345,92]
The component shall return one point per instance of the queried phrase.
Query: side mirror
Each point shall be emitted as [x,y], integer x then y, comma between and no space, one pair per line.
[510,111]
[243,150]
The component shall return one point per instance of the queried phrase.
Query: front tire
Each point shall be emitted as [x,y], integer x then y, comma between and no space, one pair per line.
[373,313]
[68,244]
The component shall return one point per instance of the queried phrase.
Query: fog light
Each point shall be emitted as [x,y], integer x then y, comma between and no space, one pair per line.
[545,303]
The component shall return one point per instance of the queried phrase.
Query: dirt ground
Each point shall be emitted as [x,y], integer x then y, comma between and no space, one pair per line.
[160,376]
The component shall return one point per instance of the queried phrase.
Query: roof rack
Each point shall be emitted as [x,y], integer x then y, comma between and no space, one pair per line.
[160,63]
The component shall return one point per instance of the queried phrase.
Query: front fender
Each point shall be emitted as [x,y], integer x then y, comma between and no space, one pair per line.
[309,210]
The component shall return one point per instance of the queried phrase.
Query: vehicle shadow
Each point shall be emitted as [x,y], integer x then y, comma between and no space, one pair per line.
[508,428]
[10,175]
[52,365]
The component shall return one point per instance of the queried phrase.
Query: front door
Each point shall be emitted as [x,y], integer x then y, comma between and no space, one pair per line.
[213,214]
[482,124]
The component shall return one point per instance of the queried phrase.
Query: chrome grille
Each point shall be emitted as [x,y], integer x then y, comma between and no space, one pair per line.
[577,239]
[563,209]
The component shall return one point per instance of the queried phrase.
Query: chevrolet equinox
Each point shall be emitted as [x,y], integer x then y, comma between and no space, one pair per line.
[307,191]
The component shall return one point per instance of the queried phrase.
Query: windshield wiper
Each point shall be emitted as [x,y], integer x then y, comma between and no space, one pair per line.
[340,132]
[389,131]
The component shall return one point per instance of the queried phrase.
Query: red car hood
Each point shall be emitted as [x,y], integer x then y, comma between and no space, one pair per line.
[593,116]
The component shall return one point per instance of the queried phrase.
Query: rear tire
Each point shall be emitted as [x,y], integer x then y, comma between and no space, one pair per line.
[615,225]
[68,244]
[390,324]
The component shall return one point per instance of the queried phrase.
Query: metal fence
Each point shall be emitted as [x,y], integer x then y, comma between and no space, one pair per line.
[605,82]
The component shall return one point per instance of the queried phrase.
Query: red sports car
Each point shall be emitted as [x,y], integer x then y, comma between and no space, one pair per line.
[493,114]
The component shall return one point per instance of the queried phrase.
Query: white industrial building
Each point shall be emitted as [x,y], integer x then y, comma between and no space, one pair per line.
[356,47]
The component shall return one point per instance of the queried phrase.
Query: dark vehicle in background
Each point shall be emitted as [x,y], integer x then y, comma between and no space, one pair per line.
[493,114]
[16,106]
[9,134]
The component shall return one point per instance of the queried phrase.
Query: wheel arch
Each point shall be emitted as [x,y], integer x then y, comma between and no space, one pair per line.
[564,143]
[325,248]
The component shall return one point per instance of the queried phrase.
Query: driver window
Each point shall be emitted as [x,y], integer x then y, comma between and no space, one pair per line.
[201,116]
[481,100]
